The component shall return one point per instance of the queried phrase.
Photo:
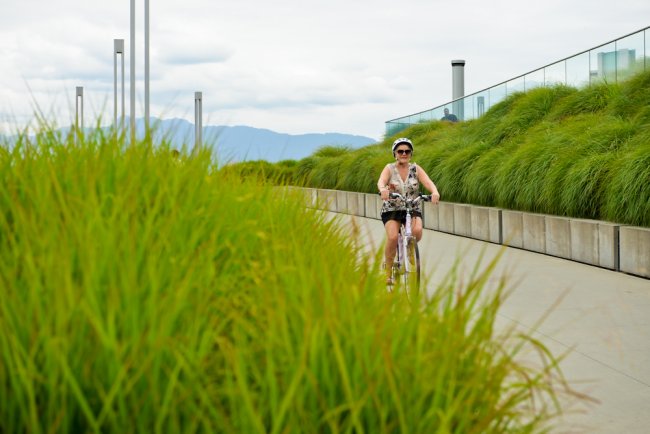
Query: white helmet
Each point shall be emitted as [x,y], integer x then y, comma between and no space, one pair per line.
[401,140]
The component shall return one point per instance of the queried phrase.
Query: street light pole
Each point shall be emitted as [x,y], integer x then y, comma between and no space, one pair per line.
[79,95]
[132,116]
[118,48]
[146,69]
[146,66]
[198,120]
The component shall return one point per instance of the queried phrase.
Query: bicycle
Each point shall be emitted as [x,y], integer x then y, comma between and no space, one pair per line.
[406,267]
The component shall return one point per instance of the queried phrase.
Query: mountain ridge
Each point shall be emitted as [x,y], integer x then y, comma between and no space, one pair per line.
[241,142]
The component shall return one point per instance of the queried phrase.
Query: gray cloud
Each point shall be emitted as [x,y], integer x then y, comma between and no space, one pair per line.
[290,65]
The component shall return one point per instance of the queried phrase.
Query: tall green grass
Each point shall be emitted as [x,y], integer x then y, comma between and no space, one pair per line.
[577,153]
[140,292]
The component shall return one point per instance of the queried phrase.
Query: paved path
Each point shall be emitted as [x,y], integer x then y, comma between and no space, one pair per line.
[601,317]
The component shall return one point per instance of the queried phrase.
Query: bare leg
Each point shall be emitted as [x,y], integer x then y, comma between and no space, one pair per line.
[392,232]
[416,228]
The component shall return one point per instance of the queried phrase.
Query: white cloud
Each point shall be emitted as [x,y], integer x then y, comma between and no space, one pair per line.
[290,65]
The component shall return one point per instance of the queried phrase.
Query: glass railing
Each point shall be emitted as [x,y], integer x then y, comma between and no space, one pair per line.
[611,62]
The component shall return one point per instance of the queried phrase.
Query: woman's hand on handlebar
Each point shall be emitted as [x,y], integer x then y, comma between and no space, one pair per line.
[384,194]
[435,197]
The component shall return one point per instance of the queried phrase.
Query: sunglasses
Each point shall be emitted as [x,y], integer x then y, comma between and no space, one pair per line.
[404,151]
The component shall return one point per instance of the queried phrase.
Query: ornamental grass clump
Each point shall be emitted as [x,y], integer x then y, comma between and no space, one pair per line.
[146,292]
[553,150]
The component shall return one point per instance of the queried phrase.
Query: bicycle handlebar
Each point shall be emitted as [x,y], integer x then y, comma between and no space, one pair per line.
[423,197]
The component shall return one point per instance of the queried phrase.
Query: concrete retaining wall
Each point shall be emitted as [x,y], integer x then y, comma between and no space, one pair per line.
[496,225]
[356,204]
[462,220]
[446,217]
[603,244]
[534,232]
[430,217]
[609,245]
[584,241]
[327,200]
[342,201]
[512,228]
[312,197]
[480,223]
[635,250]
[558,236]
[373,205]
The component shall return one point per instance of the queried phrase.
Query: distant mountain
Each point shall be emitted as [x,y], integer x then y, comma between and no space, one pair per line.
[240,143]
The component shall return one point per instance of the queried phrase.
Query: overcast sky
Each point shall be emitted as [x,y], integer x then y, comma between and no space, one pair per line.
[293,66]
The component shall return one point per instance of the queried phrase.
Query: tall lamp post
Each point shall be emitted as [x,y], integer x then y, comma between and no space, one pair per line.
[146,66]
[118,48]
[79,96]
[132,78]
[198,120]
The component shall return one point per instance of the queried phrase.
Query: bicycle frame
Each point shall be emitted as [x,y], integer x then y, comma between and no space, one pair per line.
[408,267]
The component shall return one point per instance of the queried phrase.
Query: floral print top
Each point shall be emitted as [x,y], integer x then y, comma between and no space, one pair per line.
[410,189]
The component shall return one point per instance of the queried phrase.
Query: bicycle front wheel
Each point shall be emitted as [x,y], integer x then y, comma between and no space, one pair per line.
[412,272]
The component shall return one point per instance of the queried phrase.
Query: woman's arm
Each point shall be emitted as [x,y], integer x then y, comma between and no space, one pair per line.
[382,183]
[428,184]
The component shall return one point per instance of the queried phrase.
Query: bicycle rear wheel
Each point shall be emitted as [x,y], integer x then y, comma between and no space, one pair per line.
[412,272]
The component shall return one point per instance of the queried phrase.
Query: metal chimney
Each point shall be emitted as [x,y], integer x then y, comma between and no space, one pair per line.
[458,87]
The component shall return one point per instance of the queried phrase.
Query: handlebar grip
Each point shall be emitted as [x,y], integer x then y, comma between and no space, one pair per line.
[392,195]
[426,197]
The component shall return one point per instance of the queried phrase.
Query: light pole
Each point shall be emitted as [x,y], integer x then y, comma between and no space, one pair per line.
[118,48]
[198,120]
[79,95]
[132,112]
[146,68]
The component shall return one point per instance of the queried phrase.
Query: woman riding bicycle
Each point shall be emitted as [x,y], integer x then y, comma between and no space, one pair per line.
[402,177]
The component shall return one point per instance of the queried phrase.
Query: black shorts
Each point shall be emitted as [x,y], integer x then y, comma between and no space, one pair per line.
[399,216]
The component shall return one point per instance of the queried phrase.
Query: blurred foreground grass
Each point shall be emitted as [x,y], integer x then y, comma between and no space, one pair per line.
[142,292]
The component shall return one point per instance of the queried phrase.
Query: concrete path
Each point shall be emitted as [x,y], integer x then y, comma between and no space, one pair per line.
[600,317]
